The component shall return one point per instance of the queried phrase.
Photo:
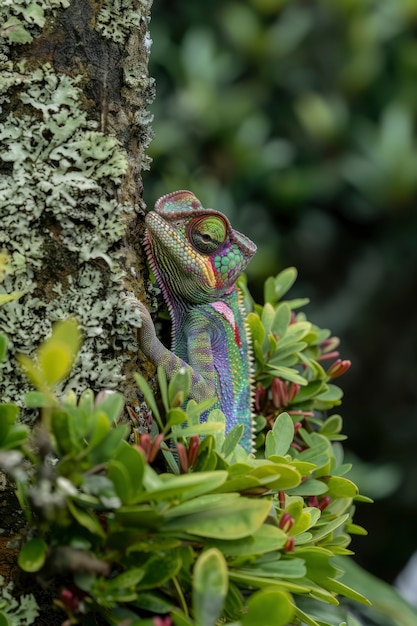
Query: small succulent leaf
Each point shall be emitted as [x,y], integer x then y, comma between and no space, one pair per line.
[121,479]
[281,319]
[160,568]
[287,373]
[86,519]
[183,487]
[179,387]
[3,346]
[256,328]
[209,587]
[176,417]
[269,290]
[310,487]
[269,607]
[268,313]
[100,427]
[148,395]
[31,370]
[104,451]
[86,401]
[232,439]
[9,297]
[339,487]
[163,386]
[55,362]
[112,406]
[32,555]
[38,399]
[232,519]
[283,435]
[266,539]
[57,354]
[284,281]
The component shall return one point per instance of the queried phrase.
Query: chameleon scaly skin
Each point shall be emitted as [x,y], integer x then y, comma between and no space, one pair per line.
[197,257]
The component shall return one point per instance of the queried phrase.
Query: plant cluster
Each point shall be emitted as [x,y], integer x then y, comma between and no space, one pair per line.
[180,525]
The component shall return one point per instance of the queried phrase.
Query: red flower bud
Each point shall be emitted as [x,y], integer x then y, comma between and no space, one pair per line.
[324,502]
[338,368]
[145,444]
[260,397]
[193,447]
[286,522]
[162,621]
[330,344]
[182,456]
[279,393]
[155,447]
[293,389]
[289,545]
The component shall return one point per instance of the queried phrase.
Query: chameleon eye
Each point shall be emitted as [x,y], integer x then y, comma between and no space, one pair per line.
[207,234]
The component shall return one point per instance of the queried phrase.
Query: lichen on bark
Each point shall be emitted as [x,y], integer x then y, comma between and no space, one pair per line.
[74,127]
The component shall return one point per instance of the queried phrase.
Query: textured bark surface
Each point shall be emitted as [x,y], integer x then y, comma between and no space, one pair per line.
[74,127]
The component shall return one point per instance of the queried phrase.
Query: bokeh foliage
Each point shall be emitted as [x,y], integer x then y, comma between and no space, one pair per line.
[296,119]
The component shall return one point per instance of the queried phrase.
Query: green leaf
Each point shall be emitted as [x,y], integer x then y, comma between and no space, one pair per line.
[310,487]
[163,386]
[308,392]
[269,607]
[331,425]
[232,439]
[120,478]
[56,355]
[179,387]
[38,399]
[333,393]
[112,406]
[269,290]
[3,346]
[256,328]
[339,487]
[286,373]
[86,519]
[149,397]
[226,518]
[279,439]
[183,487]
[268,314]
[32,555]
[281,319]
[160,568]
[210,583]
[281,284]
[267,538]
[176,417]
[9,297]
[31,370]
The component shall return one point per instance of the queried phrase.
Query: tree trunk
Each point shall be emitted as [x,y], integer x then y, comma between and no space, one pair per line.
[74,127]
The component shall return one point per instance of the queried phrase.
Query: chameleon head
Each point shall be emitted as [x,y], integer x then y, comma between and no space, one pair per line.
[195,253]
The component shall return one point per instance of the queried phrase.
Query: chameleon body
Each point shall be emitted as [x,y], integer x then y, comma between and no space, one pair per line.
[197,257]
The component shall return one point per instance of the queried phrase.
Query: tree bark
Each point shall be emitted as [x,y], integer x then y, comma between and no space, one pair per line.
[74,127]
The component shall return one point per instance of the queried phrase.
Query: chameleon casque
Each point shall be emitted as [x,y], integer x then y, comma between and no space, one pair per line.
[197,257]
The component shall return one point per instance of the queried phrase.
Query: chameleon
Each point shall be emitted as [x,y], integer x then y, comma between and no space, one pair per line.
[196,257]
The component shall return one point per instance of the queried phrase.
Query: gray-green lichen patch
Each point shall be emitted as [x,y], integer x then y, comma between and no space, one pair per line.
[116,18]
[19,19]
[60,223]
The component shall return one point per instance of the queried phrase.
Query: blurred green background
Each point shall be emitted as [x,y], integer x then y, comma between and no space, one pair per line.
[296,119]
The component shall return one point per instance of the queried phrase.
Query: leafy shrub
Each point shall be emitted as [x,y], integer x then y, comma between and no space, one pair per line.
[180,525]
